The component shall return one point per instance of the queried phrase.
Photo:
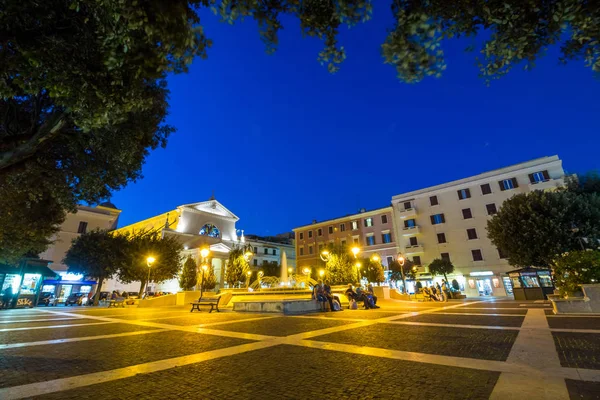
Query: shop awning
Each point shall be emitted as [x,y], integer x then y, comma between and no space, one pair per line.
[31,267]
[59,282]
[38,269]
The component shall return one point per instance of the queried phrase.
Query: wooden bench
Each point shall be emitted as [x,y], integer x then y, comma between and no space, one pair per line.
[212,301]
[119,301]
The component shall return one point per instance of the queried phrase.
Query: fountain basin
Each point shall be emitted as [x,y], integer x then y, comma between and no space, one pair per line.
[285,306]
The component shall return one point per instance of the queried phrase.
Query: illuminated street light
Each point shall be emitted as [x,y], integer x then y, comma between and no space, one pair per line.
[321,273]
[149,261]
[204,252]
[402,260]
[375,257]
[325,254]
[355,251]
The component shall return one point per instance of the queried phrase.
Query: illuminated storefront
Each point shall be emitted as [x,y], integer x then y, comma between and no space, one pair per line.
[531,283]
[66,285]
[24,281]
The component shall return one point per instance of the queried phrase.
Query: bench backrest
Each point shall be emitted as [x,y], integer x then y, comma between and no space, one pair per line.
[211,298]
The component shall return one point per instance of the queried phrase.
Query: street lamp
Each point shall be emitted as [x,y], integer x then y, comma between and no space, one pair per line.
[355,250]
[321,273]
[401,261]
[149,261]
[325,254]
[358,265]
[306,271]
[204,269]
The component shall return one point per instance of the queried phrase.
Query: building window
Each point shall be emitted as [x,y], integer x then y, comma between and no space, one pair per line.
[310,249]
[501,254]
[437,219]
[441,237]
[354,225]
[255,262]
[390,260]
[467,213]
[343,243]
[477,256]
[409,223]
[407,205]
[445,256]
[370,240]
[266,251]
[309,234]
[413,241]
[433,200]
[342,227]
[301,251]
[386,237]
[538,177]
[319,232]
[82,227]
[301,236]
[472,233]
[464,194]
[355,240]
[274,252]
[255,250]
[330,230]
[368,222]
[508,184]
[491,208]
[384,219]
[486,189]
[417,260]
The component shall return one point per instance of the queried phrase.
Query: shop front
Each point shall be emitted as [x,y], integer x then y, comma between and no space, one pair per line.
[486,283]
[531,283]
[67,284]
[23,283]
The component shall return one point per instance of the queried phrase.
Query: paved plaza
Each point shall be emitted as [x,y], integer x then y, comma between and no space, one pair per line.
[458,350]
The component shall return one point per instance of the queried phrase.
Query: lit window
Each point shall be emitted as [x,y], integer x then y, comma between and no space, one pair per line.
[354,225]
[368,222]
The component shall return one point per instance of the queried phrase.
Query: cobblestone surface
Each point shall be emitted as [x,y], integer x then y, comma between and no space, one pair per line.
[196,319]
[62,333]
[461,310]
[484,344]
[468,320]
[359,314]
[289,372]
[581,390]
[578,350]
[574,322]
[58,321]
[282,326]
[39,363]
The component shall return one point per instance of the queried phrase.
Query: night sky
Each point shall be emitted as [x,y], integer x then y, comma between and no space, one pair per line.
[281,141]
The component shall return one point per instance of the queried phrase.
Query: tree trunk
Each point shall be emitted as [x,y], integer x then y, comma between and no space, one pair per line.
[98,289]
[142,287]
[446,278]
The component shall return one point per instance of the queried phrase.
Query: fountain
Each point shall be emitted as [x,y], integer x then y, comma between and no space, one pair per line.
[284,270]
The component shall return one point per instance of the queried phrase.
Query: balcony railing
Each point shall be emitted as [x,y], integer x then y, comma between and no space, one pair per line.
[418,248]
[410,230]
[407,212]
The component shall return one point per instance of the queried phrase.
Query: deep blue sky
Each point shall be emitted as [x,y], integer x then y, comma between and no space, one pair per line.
[281,141]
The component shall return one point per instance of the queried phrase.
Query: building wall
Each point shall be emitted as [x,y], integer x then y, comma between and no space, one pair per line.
[458,245]
[96,218]
[260,246]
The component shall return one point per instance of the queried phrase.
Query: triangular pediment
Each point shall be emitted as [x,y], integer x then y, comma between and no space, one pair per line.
[220,248]
[211,207]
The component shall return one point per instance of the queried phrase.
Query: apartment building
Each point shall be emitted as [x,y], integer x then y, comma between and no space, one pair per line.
[372,231]
[270,250]
[449,221]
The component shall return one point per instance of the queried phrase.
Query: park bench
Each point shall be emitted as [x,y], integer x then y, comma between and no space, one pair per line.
[119,301]
[212,301]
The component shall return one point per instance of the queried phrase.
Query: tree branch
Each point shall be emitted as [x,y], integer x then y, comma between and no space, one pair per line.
[47,131]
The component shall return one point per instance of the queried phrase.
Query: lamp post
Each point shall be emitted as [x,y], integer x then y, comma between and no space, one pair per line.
[248,275]
[355,250]
[149,261]
[401,261]
[204,253]
[358,265]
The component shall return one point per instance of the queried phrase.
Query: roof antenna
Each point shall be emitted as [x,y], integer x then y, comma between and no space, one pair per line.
[213,196]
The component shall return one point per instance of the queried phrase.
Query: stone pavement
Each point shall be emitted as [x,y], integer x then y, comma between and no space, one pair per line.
[474,349]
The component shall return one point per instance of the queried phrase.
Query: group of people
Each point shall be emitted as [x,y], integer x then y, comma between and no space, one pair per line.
[366,296]
[437,292]
[322,293]
[7,297]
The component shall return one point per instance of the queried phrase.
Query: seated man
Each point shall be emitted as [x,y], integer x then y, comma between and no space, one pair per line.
[371,293]
[361,296]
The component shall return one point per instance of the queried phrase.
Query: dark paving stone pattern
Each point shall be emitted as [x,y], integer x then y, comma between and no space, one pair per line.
[574,322]
[49,323]
[483,311]
[468,320]
[581,390]
[358,314]
[578,350]
[486,344]
[62,333]
[41,363]
[282,326]
[290,372]
[197,319]
[513,304]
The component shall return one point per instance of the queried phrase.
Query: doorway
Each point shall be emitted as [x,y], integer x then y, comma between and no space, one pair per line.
[484,287]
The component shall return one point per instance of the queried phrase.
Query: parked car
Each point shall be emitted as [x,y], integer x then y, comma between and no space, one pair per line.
[46,299]
[75,298]
[133,295]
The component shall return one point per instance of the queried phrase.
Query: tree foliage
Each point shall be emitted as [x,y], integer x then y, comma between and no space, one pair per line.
[441,266]
[372,270]
[396,270]
[533,228]
[587,183]
[574,268]
[165,250]
[340,267]
[187,278]
[210,280]
[97,254]
[270,269]
[236,266]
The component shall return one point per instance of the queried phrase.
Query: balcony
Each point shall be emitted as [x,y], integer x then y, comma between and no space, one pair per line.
[418,248]
[411,230]
[407,212]
[550,184]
